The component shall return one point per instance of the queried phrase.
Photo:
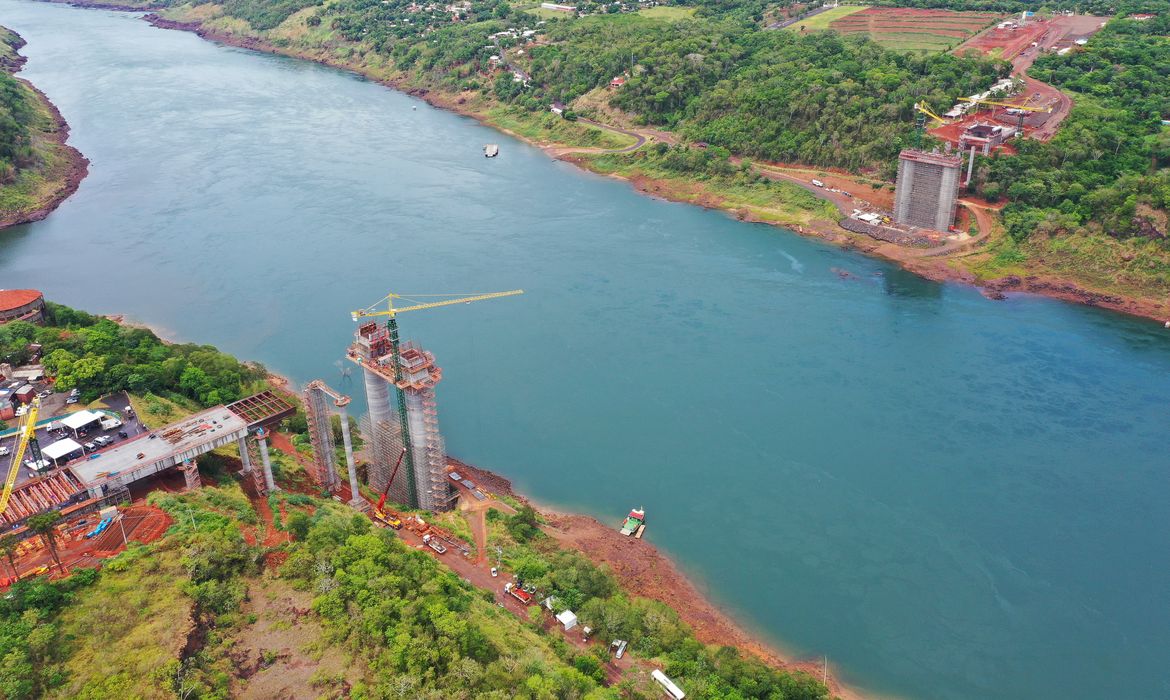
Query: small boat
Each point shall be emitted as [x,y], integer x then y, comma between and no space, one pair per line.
[491,150]
[636,519]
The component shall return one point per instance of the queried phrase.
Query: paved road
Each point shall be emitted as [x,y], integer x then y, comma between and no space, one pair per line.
[794,20]
[639,139]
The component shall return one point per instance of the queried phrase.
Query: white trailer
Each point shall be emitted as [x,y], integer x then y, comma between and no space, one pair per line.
[668,685]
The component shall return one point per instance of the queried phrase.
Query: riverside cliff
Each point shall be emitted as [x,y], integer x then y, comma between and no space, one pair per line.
[38,169]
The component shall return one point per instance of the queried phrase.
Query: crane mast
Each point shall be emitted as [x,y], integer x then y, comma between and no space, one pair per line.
[391,313]
[28,431]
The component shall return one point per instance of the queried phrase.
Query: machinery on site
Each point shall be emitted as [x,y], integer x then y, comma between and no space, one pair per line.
[518,592]
[423,464]
[1020,110]
[922,109]
[379,510]
[26,442]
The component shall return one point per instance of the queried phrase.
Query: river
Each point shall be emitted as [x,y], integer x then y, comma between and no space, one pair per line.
[949,497]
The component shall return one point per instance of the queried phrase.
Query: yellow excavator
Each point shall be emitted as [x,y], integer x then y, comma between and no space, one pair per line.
[27,432]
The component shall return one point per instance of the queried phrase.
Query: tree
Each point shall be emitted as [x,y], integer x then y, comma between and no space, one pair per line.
[299,524]
[522,526]
[45,525]
[8,545]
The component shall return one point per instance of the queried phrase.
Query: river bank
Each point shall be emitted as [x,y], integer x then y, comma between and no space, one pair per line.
[646,572]
[35,192]
[973,265]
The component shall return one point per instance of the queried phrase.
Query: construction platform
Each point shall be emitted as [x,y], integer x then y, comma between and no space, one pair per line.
[167,447]
[265,409]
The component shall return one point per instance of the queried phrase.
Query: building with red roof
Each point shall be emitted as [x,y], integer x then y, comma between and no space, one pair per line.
[21,305]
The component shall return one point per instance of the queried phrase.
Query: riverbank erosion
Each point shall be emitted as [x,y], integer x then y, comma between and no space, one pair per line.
[646,572]
[38,168]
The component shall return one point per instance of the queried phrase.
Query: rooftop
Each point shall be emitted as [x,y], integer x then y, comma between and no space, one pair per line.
[16,298]
[931,158]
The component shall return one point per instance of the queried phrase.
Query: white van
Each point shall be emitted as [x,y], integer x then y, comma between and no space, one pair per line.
[818,183]
[110,422]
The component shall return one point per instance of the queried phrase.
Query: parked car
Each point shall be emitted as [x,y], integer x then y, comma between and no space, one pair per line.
[89,446]
[46,392]
[122,434]
[71,399]
[102,440]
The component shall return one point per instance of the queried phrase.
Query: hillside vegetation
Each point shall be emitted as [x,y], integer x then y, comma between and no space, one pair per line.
[34,165]
[97,356]
[199,614]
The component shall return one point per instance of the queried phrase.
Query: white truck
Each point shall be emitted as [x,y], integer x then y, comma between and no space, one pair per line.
[433,543]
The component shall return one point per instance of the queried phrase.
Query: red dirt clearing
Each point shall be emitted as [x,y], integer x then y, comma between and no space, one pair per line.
[886,20]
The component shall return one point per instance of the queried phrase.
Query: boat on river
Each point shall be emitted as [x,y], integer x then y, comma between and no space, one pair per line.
[491,150]
[635,522]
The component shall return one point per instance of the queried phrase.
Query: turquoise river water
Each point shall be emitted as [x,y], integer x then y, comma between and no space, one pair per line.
[949,497]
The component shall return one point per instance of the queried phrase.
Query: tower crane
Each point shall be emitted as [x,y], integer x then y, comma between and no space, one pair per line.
[27,433]
[922,108]
[1022,109]
[391,313]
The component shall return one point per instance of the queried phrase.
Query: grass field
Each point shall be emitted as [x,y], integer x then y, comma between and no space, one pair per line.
[819,23]
[669,13]
[544,13]
[905,29]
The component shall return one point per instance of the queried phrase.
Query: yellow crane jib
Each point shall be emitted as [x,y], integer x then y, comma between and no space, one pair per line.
[27,430]
[921,107]
[1005,104]
[392,311]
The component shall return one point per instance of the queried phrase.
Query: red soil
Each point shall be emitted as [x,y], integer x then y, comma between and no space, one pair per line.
[891,20]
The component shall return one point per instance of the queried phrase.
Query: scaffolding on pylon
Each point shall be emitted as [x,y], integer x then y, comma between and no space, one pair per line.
[319,414]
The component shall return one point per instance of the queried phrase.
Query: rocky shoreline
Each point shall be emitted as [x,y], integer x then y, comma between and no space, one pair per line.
[646,572]
[77,165]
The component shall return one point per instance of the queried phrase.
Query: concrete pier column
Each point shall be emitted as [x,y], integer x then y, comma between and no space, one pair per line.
[269,484]
[347,441]
[245,458]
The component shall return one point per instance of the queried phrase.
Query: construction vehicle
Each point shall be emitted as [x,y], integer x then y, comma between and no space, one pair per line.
[391,313]
[379,510]
[1019,110]
[26,442]
[433,542]
[518,593]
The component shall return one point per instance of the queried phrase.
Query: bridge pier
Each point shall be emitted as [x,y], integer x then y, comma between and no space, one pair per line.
[262,439]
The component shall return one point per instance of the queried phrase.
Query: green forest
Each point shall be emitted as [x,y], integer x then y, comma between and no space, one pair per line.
[720,79]
[18,114]
[97,356]
[174,618]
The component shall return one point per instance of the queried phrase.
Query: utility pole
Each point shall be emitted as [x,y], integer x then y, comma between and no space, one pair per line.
[122,527]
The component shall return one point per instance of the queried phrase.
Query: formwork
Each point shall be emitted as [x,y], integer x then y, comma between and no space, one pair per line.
[421,480]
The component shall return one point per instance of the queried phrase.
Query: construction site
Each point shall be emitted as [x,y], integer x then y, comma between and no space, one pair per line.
[92,487]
